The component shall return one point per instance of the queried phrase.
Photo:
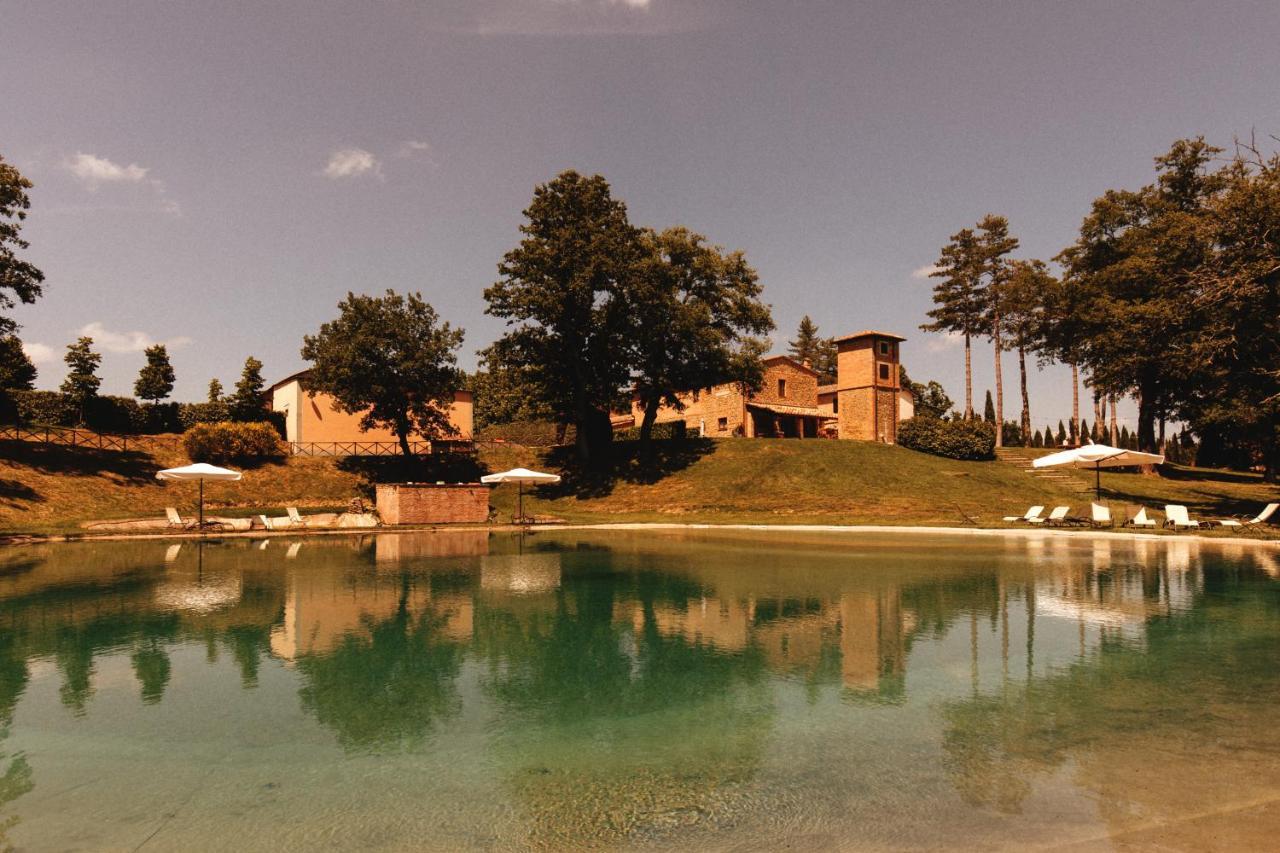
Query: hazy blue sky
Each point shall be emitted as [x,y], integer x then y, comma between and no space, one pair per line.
[219,175]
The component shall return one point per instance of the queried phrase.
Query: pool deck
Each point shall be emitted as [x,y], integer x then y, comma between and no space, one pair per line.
[1005,532]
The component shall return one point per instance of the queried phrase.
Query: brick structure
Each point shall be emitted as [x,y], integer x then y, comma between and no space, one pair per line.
[433,503]
[866,402]
[867,386]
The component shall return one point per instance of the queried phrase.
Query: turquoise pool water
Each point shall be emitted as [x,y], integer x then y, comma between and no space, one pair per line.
[670,690]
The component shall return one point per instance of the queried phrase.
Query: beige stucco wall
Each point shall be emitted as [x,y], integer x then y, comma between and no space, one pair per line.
[314,417]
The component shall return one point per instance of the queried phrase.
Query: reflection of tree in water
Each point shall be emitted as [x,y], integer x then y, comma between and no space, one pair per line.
[631,732]
[386,688]
[16,777]
[1199,694]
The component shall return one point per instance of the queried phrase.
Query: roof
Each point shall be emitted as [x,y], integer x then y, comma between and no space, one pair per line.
[778,409]
[801,365]
[292,377]
[870,333]
[828,389]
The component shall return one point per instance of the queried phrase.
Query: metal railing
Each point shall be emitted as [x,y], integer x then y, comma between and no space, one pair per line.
[377,448]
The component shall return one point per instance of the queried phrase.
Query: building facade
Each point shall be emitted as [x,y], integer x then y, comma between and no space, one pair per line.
[312,418]
[866,402]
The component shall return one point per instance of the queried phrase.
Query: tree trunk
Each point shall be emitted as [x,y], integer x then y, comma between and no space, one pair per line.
[1115,430]
[968,380]
[1100,425]
[595,432]
[1146,422]
[402,435]
[1026,404]
[1075,397]
[1097,409]
[646,424]
[999,385]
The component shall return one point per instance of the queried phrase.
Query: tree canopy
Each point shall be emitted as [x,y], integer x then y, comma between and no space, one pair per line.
[17,372]
[246,403]
[155,380]
[20,280]
[82,382]
[390,359]
[819,352]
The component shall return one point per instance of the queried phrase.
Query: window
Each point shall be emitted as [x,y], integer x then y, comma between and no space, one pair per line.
[884,371]
[782,388]
[884,347]
[835,405]
[722,424]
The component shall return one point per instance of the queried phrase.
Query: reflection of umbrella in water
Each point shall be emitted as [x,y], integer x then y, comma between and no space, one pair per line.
[200,471]
[520,476]
[1097,457]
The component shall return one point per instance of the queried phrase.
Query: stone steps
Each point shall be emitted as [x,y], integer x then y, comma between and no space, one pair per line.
[1057,476]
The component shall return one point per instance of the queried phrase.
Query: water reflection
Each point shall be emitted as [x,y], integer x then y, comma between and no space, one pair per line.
[639,688]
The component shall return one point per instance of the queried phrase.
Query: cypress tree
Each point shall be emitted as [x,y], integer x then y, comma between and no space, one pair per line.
[989,410]
[1086,434]
[1062,434]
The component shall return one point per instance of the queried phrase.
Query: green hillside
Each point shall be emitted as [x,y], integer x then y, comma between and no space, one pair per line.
[56,489]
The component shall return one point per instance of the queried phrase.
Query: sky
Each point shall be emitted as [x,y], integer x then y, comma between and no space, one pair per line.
[217,176]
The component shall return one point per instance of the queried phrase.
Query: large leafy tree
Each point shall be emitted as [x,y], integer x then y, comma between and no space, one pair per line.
[819,352]
[1234,394]
[1136,261]
[503,396]
[695,307]
[1023,311]
[391,359]
[82,382]
[567,290]
[19,280]
[17,372]
[155,379]
[246,403]
[959,303]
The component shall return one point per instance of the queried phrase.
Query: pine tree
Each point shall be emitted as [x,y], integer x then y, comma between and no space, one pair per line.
[82,382]
[246,404]
[959,307]
[215,391]
[155,380]
[811,348]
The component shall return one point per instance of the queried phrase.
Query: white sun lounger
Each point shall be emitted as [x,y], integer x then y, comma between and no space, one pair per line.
[295,517]
[176,520]
[1058,516]
[1141,519]
[1261,518]
[1176,517]
[1100,515]
[1033,515]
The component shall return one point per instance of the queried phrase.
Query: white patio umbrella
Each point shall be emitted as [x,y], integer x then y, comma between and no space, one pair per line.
[199,471]
[520,476]
[1097,457]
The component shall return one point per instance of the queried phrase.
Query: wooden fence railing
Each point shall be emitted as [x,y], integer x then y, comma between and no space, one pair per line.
[67,436]
[376,448]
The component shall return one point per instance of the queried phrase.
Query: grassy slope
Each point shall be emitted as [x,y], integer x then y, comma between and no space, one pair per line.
[54,489]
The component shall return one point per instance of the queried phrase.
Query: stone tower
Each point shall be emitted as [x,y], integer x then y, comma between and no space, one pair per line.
[867,386]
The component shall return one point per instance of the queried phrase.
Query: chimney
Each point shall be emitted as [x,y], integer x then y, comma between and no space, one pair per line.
[807,364]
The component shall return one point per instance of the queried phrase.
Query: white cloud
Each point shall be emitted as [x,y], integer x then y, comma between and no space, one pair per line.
[99,170]
[111,341]
[38,353]
[351,163]
[410,147]
[944,341]
[925,271]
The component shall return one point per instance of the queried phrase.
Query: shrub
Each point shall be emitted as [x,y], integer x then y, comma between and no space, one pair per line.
[232,442]
[46,408]
[190,414]
[664,430]
[956,439]
[528,433]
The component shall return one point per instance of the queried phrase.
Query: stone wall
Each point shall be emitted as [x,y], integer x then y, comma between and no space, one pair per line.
[433,503]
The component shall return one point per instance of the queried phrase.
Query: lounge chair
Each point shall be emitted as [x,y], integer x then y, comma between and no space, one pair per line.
[1175,516]
[176,520]
[1100,515]
[268,523]
[1056,516]
[1140,519]
[295,517]
[1033,515]
[1261,518]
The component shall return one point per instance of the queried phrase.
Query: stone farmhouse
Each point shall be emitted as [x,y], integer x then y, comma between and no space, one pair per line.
[866,402]
[313,424]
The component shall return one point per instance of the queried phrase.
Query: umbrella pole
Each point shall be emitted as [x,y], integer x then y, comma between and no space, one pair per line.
[520,505]
[1097,485]
[201,506]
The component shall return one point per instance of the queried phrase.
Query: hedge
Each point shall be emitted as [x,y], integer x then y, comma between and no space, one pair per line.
[233,442]
[120,414]
[664,430]
[956,439]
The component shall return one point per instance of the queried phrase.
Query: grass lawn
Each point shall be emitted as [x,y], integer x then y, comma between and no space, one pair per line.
[56,489]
